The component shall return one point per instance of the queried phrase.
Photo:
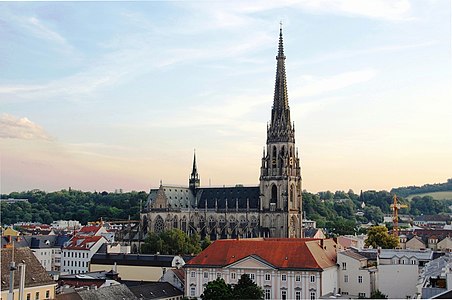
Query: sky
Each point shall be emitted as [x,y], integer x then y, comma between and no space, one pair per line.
[117,95]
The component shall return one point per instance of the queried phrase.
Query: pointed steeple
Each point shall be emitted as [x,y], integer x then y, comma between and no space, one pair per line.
[194,181]
[194,171]
[280,129]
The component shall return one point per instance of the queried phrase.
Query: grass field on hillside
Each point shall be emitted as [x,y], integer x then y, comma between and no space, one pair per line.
[447,195]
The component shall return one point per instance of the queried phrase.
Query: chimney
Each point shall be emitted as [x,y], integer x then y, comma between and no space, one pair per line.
[22,281]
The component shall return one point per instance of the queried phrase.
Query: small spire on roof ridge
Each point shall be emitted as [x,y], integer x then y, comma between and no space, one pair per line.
[194,170]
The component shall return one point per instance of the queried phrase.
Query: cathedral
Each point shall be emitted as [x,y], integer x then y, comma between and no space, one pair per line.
[271,209]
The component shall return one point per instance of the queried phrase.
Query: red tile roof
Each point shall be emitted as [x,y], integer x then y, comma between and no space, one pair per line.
[89,229]
[180,274]
[81,242]
[281,253]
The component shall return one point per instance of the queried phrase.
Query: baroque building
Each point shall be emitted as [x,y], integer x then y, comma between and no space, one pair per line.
[272,209]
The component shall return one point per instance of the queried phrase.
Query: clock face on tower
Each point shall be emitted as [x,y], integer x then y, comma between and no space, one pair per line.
[291,161]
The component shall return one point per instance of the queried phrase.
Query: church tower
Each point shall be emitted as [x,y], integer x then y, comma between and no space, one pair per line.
[280,177]
[194,181]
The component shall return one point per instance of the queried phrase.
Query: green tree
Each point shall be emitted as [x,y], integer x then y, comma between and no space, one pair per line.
[217,290]
[378,295]
[378,236]
[205,243]
[173,241]
[373,214]
[247,289]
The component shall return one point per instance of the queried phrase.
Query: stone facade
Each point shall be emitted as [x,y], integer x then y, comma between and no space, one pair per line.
[272,209]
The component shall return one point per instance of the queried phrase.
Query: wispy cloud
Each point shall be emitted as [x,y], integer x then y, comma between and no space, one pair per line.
[21,128]
[339,55]
[42,31]
[314,86]
[394,10]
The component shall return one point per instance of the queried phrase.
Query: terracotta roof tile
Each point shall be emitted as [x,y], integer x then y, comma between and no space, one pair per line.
[89,229]
[82,242]
[180,274]
[35,274]
[281,253]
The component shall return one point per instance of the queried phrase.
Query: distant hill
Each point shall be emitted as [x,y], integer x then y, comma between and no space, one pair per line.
[430,189]
[446,195]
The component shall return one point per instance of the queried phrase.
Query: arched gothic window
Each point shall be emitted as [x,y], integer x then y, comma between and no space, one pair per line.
[274,197]
[159,225]
[212,222]
[175,222]
[184,224]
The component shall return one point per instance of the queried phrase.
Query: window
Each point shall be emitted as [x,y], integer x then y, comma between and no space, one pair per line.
[252,276]
[312,278]
[297,278]
[233,275]
[344,266]
[192,274]
[47,294]
[206,275]
[360,279]
[192,291]
[362,295]
[283,277]
[283,295]
[345,278]
[37,296]
[297,295]
[312,295]
[413,261]
[267,294]
[267,277]
[218,275]
[28,296]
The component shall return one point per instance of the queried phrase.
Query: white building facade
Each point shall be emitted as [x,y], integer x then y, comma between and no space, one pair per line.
[293,277]
[356,276]
[76,255]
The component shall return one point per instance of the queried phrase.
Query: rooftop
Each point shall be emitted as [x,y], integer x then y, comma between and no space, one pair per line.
[35,274]
[280,253]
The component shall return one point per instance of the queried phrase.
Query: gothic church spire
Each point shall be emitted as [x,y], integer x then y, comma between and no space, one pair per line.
[280,129]
[194,180]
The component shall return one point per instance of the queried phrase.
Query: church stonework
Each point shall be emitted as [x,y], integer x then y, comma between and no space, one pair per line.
[272,209]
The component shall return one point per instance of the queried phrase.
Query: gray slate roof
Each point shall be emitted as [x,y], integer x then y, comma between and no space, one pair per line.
[212,197]
[154,290]
[135,259]
[37,241]
[234,196]
[114,292]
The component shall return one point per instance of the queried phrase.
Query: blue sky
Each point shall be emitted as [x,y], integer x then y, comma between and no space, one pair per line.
[109,95]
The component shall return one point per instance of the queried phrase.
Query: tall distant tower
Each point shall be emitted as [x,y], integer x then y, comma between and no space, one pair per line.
[280,178]
[194,181]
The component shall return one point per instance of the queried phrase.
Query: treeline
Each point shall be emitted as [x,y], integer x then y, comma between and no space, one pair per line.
[45,207]
[339,212]
[426,188]
[343,212]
